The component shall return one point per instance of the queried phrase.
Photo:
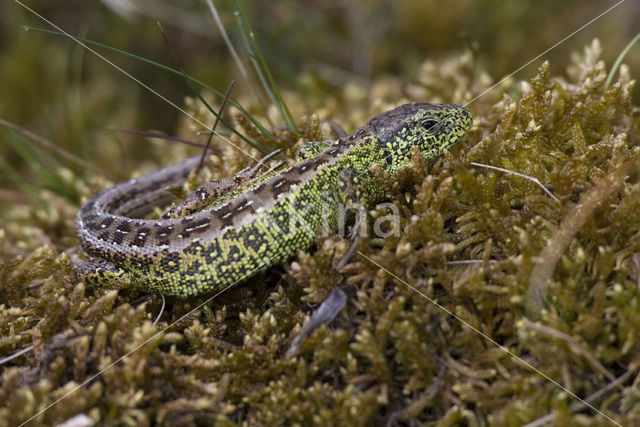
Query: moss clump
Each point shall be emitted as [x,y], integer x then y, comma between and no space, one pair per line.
[490,247]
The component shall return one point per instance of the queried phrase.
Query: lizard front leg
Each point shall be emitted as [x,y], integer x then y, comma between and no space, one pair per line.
[357,191]
[98,273]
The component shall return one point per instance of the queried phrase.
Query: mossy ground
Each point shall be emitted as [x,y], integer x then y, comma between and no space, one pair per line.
[554,279]
[391,356]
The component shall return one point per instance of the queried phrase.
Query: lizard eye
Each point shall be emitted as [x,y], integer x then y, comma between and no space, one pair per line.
[430,125]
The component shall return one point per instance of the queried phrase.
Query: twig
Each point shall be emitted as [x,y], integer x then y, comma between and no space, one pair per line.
[166,137]
[530,178]
[470,261]
[16,355]
[578,406]
[54,339]
[13,196]
[575,346]
[544,267]
[161,310]
[215,124]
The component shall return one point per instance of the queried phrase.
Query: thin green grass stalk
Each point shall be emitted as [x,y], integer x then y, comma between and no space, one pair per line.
[619,59]
[49,146]
[236,59]
[6,170]
[28,151]
[163,67]
[194,91]
[72,101]
[256,67]
[263,71]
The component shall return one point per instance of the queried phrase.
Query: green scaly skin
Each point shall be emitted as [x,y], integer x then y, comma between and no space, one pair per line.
[267,221]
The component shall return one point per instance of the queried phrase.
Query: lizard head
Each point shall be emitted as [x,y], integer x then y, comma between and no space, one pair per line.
[431,127]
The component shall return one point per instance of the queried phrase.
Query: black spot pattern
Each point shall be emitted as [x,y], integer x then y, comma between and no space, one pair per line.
[164,235]
[141,238]
[124,226]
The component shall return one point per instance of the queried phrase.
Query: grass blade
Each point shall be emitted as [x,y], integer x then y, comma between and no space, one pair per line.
[263,71]
[236,59]
[163,67]
[47,179]
[48,145]
[619,59]
[216,114]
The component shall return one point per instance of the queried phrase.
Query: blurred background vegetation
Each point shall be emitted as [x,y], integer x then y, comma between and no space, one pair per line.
[54,88]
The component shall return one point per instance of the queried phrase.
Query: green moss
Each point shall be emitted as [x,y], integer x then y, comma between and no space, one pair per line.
[391,356]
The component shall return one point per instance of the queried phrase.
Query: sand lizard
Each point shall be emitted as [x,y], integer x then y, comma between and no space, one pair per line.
[263,222]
